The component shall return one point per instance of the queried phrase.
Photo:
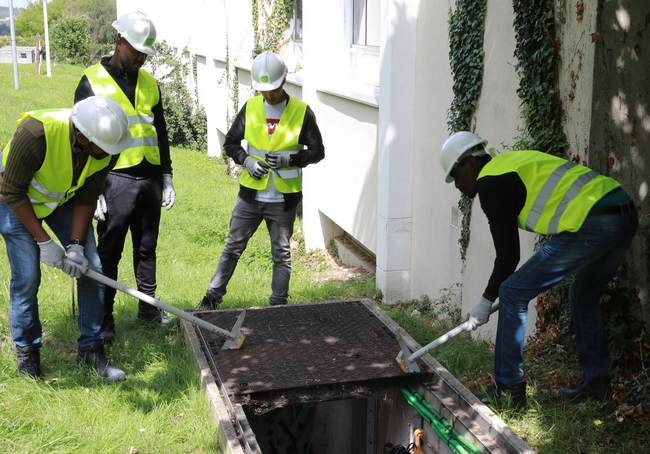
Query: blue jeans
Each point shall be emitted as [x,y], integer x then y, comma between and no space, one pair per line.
[246,218]
[24,261]
[592,255]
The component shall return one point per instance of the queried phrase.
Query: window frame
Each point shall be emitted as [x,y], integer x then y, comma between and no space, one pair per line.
[371,48]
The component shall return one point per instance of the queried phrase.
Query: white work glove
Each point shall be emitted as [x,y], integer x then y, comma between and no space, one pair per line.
[169,194]
[479,314]
[51,253]
[277,161]
[255,168]
[75,262]
[102,208]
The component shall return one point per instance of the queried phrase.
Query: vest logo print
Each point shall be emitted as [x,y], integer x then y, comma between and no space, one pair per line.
[271,124]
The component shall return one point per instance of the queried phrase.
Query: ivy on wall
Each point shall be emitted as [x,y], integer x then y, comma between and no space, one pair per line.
[275,18]
[537,66]
[466,31]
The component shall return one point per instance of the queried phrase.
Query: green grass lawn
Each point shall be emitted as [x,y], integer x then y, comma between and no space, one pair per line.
[161,406]
[35,92]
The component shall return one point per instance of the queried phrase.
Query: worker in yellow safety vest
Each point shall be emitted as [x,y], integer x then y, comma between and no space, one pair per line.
[52,171]
[591,220]
[283,138]
[142,178]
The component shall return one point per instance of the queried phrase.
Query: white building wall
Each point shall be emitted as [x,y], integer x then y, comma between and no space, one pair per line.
[340,85]
[436,254]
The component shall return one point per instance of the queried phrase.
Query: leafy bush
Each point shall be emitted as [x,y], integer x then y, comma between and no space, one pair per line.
[186,118]
[71,40]
[99,13]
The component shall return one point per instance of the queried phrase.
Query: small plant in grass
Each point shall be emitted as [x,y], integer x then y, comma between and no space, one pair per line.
[445,307]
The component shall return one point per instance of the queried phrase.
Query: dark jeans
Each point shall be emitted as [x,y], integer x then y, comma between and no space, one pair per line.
[592,255]
[24,261]
[246,217]
[133,203]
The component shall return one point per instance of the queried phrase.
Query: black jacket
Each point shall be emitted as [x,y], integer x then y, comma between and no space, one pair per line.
[310,138]
[502,198]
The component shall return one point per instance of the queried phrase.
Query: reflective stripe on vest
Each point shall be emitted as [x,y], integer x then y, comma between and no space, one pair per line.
[559,193]
[145,119]
[43,190]
[51,185]
[145,138]
[284,141]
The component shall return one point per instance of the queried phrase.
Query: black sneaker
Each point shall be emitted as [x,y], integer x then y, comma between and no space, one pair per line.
[149,313]
[504,395]
[210,301]
[597,389]
[29,361]
[96,358]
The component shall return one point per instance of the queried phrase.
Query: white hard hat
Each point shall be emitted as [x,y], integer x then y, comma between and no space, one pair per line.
[458,146]
[103,122]
[268,71]
[138,30]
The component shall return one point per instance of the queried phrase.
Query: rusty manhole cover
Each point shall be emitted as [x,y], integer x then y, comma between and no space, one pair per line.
[302,346]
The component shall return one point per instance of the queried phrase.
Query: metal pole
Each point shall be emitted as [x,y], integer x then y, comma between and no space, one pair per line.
[47,40]
[14,55]
[160,305]
[465,326]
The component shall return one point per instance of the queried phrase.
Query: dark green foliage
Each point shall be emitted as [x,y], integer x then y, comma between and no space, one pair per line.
[269,38]
[71,40]
[186,118]
[99,15]
[466,30]
[30,21]
[537,66]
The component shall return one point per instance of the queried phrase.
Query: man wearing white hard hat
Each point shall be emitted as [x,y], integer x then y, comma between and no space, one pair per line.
[282,137]
[142,178]
[592,221]
[52,171]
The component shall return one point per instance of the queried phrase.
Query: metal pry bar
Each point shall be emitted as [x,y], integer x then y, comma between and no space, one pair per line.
[234,337]
[406,360]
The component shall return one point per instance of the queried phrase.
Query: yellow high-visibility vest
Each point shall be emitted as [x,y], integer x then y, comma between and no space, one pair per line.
[144,138]
[559,193]
[284,141]
[52,185]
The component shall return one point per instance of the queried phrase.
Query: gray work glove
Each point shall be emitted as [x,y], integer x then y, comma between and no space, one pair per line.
[479,314]
[75,262]
[102,208]
[277,161]
[168,194]
[51,253]
[255,168]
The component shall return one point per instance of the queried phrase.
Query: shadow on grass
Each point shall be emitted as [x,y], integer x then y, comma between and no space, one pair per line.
[158,366]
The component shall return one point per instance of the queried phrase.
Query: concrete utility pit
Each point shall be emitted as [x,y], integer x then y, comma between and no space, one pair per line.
[322,378]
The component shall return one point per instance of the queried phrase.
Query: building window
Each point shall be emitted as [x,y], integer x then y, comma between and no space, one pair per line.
[365,23]
[297,21]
